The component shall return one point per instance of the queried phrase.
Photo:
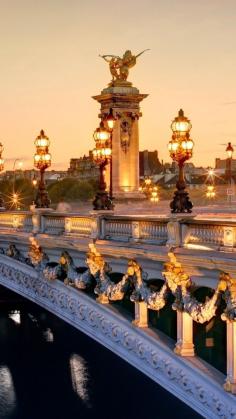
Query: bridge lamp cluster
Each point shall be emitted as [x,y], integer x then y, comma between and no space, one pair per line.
[42,160]
[181,149]
[210,193]
[102,155]
[149,189]
[42,157]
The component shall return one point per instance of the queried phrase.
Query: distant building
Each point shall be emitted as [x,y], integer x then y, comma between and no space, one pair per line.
[84,167]
[149,163]
[50,175]
[223,164]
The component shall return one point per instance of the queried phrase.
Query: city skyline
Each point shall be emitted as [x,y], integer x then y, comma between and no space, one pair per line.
[51,69]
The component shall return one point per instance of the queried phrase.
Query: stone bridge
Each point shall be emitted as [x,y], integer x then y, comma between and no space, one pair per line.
[203,248]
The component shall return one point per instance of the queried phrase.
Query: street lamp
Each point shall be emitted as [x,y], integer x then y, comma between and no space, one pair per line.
[149,189]
[109,119]
[1,169]
[210,180]
[42,160]
[210,193]
[229,150]
[101,156]
[181,149]
[34,183]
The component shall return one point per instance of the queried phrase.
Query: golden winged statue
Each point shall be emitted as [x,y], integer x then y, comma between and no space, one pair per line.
[119,67]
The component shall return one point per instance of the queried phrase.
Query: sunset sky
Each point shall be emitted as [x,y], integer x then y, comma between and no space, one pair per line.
[50,69]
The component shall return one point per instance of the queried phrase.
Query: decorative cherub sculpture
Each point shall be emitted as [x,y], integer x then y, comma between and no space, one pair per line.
[37,257]
[155,299]
[181,286]
[15,253]
[99,269]
[177,280]
[228,286]
[119,67]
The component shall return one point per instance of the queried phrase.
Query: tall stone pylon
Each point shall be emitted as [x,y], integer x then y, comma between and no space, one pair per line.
[124,100]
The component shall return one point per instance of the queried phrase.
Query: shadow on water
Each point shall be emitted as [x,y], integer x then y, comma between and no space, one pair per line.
[48,369]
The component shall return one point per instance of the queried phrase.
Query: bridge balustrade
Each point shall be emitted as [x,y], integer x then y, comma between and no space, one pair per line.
[183,231]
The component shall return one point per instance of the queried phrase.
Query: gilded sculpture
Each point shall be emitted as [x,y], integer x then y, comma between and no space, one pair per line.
[120,66]
[37,257]
[155,300]
[228,286]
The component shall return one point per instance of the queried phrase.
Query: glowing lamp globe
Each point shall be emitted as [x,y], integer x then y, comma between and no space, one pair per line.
[42,140]
[181,125]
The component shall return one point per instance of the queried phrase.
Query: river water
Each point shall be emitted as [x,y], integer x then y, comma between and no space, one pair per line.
[48,369]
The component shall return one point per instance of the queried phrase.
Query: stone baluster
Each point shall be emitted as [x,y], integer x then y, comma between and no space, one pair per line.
[184,345]
[135,231]
[141,314]
[36,221]
[174,232]
[95,225]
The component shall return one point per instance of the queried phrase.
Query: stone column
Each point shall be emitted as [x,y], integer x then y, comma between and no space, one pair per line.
[124,100]
[184,345]
[141,314]
[230,384]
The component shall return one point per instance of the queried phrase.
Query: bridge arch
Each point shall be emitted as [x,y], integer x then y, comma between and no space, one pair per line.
[142,349]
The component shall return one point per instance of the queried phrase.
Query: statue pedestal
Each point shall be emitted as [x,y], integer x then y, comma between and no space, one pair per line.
[124,100]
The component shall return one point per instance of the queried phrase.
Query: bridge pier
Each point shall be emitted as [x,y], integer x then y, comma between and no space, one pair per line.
[184,345]
[230,383]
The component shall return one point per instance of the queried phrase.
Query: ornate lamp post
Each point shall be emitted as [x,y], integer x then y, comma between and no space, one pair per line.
[181,149]
[101,155]
[229,150]
[150,190]
[2,205]
[210,193]
[42,160]
[109,119]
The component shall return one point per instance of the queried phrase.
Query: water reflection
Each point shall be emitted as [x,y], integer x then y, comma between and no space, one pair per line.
[7,392]
[79,377]
[48,335]
[72,377]
[15,316]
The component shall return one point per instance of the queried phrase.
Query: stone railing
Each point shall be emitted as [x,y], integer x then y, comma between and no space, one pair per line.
[134,229]
[208,233]
[16,221]
[174,231]
[78,226]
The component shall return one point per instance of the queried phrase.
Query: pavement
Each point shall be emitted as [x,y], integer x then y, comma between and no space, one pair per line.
[161,209]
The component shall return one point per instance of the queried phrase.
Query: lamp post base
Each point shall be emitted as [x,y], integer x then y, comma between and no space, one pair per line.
[42,199]
[181,202]
[102,201]
[2,203]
